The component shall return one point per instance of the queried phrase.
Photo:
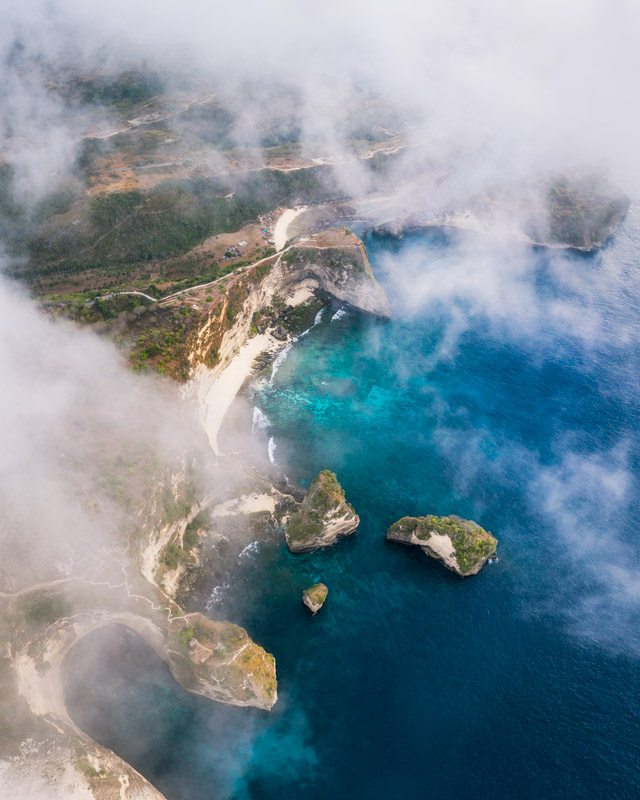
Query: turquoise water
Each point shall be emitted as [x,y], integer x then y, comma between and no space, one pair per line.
[505,389]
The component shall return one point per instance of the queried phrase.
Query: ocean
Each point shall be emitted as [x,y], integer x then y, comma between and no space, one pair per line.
[506,390]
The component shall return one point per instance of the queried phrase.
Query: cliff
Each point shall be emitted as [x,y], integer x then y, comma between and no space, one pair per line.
[578,212]
[46,614]
[220,661]
[335,261]
[461,545]
[206,325]
[324,516]
[162,505]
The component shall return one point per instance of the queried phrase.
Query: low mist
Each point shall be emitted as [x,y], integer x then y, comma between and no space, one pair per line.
[83,440]
[555,311]
[476,96]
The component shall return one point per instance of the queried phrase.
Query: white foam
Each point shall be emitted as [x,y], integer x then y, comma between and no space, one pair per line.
[271,449]
[260,420]
[339,314]
[218,594]
[250,550]
[279,360]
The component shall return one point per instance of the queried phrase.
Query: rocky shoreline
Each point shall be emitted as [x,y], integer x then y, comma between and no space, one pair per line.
[176,532]
[238,320]
[560,212]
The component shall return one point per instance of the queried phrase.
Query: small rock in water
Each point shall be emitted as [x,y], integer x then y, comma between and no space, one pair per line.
[314,597]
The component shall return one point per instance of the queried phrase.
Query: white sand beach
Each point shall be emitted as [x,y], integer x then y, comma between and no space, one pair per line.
[248,504]
[228,384]
[280,229]
[298,297]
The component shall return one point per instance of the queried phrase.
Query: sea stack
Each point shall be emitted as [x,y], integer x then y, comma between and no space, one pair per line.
[460,544]
[314,597]
[324,516]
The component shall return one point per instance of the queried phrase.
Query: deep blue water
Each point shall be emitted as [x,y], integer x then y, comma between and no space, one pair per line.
[506,389]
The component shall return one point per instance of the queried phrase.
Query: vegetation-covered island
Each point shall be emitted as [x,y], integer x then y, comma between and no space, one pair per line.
[460,544]
[314,597]
[323,517]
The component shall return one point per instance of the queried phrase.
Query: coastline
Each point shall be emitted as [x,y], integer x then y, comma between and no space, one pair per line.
[216,401]
[212,389]
[228,383]
[282,225]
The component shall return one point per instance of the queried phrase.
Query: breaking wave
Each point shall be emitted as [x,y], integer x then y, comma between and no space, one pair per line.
[271,449]
[279,360]
[339,314]
[260,420]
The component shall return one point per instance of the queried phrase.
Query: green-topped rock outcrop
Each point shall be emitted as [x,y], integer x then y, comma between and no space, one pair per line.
[314,597]
[460,544]
[572,211]
[324,516]
[221,661]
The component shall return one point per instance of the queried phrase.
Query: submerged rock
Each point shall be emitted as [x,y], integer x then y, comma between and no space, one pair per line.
[323,517]
[314,597]
[460,544]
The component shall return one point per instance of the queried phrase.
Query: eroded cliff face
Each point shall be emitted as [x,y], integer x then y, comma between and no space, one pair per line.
[63,771]
[129,584]
[334,261]
[135,581]
[220,661]
[42,752]
[324,516]
[460,544]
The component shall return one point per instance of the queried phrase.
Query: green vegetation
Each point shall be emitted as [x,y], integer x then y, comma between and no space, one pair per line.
[177,505]
[334,257]
[159,339]
[325,494]
[186,635]
[98,310]
[197,524]
[55,203]
[122,229]
[13,215]
[471,543]
[171,556]
[84,766]
[44,609]
[294,319]
[122,91]
[583,212]
[315,595]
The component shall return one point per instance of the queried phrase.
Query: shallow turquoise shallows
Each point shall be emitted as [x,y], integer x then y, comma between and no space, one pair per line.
[506,389]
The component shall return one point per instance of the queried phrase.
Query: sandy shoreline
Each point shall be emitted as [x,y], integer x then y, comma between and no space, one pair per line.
[284,220]
[248,504]
[227,385]
[300,295]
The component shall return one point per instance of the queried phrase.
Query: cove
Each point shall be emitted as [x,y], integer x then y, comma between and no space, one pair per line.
[505,389]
